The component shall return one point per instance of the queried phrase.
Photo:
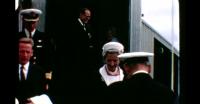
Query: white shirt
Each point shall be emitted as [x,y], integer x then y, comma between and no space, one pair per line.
[27,32]
[109,78]
[89,35]
[25,70]
[80,21]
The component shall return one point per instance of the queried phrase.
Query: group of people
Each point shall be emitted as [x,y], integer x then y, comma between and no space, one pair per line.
[36,56]
[43,79]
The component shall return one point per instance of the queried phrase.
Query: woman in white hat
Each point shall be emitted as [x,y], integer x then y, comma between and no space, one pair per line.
[111,72]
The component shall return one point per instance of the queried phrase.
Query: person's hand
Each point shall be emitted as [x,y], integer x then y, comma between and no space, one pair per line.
[29,101]
[48,75]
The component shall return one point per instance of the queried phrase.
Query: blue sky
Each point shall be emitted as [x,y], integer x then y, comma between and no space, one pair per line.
[163,16]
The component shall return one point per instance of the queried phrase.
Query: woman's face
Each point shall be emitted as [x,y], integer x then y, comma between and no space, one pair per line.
[112,61]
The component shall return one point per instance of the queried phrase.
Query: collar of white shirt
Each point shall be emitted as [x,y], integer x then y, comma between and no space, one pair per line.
[140,71]
[27,32]
[80,22]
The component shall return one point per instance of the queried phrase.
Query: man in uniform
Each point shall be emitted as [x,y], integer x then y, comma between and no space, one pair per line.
[138,86]
[44,47]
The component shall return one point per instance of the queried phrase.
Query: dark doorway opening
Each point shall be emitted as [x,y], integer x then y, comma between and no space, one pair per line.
[162,63]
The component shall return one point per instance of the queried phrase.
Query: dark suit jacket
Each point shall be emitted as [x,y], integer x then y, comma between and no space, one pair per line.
[76,62]
[142,89]
[44,49]
[34,84]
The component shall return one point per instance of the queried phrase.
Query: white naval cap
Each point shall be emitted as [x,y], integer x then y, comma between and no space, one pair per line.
[112,47]
[31,14]
[135,54]
[135,57]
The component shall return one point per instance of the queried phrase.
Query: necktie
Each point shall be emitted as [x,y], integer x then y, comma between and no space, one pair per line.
[88,33]
[30,35]
[22,75]
[84,27]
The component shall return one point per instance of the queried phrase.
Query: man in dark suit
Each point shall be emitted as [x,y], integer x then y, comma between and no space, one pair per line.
[77,63]
[87,53]
[30,77]
[44,48]
[138,86]
[86,39]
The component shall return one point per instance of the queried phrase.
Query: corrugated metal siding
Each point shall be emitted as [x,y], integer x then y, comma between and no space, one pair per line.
[135,25]
[147,38]
[147,42]
[148,34]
